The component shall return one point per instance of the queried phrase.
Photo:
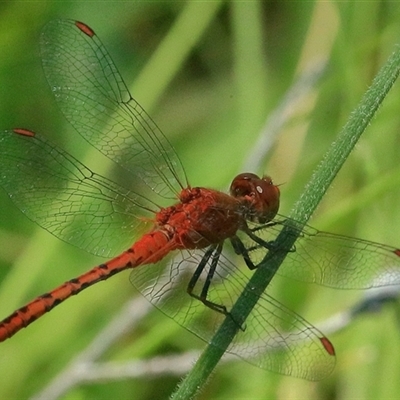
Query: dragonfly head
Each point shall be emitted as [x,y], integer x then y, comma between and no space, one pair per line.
[260,196]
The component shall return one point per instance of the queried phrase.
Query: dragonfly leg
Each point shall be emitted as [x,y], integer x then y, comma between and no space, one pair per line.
[212,253]
[240,249]
[267,225]
[270,245]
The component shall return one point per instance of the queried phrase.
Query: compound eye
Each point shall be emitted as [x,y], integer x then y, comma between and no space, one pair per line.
[259,195]
[244,185]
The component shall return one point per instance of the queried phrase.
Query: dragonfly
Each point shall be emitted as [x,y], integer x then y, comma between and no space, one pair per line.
[182,243]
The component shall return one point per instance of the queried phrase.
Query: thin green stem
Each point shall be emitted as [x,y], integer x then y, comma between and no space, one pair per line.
[312,195]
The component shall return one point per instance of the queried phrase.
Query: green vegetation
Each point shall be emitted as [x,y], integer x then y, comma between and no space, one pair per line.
[210,74]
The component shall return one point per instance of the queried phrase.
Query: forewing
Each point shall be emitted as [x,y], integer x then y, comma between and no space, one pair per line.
[64,197]
[328,259]
[94,98]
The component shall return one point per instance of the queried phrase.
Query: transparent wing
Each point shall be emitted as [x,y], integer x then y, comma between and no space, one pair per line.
[275,338]
[64,197]
[331,260]
[94,98]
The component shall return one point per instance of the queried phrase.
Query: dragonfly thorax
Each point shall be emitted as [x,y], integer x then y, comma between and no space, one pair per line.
[202,217]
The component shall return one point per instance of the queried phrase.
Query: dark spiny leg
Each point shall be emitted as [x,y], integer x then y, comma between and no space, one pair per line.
[267,225]
[199,270]
[270,245]
[240,249]
[214,253]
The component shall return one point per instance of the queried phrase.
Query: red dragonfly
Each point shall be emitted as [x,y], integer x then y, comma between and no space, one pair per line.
[199,236]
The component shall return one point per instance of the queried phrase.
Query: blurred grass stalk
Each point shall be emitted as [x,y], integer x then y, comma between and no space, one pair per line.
[303,209]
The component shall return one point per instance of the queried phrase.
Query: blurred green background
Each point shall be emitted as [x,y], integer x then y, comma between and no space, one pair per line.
[210,73]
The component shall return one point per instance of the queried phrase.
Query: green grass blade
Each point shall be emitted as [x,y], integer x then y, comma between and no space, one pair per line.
[312,195]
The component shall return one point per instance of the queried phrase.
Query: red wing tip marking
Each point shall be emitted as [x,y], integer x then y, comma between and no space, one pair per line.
[397,252]
[327,345]
[24,132]
[85,29]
